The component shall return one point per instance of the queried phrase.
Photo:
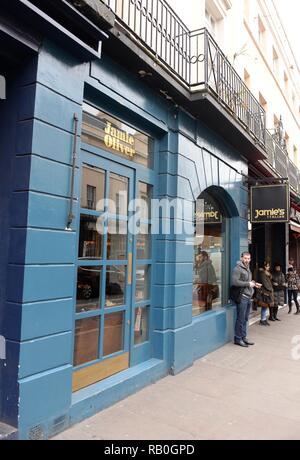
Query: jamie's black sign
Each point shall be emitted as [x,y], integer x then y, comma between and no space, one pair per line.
[270,203]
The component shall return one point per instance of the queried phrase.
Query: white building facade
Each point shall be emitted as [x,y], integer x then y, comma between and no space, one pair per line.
[252,36]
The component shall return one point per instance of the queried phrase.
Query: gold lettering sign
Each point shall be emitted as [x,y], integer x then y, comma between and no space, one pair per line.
[270,213]
[119,140]
[208,215]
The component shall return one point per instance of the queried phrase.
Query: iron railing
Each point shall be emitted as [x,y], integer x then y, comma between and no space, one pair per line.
[197,61]
[281,163]
[192,57]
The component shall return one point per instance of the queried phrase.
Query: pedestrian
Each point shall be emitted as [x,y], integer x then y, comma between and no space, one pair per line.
[267,293]
[279,287]
[291,263]
[242,291]
[293,282]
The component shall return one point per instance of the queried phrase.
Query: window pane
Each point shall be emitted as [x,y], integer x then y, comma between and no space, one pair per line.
[115,286]
[91,237]
[106,132]
[86,340]
[88,289]
[141,325]
[118,195]
[117,240]
[113,333]
[92,190]
[208,257]
[142,283]
[145,195]
[143,243]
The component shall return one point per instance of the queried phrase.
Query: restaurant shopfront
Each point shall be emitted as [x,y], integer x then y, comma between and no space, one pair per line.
[100,300]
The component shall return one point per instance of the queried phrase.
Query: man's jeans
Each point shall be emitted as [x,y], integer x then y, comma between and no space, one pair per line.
[243,312]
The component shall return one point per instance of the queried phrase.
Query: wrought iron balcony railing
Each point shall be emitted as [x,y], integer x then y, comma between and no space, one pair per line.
[281,163]
[196,60]
[192,57]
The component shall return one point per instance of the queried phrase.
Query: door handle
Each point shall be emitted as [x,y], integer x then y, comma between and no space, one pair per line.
[129,269]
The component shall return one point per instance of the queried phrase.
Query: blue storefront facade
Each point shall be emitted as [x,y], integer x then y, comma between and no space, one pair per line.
[65,357]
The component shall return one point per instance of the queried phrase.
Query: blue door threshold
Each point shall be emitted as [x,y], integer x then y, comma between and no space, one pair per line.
[99,396]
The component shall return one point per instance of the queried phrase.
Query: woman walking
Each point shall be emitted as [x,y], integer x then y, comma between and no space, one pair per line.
[293,282]
[279,286]
[265,279]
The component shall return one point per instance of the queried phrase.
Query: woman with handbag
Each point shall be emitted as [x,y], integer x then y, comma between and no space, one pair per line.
[293,282]
[266,293]
[279,286]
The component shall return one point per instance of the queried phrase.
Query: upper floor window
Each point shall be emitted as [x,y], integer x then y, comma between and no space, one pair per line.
[263,102]
[209,255]
[275,62]
[210,23]
[247,79]
[295,153]
[261,32]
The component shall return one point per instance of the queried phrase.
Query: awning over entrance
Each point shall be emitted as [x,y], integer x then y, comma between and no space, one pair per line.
[295,227]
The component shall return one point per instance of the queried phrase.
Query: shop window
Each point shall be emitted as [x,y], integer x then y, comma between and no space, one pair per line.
[141,325]
[88,289]
[92,190]
[91,237]
[142,283]
[113,333]
[115,286]
[86,340]
[209,258]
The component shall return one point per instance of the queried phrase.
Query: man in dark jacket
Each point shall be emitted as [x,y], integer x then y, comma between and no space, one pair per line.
[242,278]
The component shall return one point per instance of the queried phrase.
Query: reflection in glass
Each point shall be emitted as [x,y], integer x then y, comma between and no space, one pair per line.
[115,286]
[116,239]
[113,333]
[86,340]
[145,195]
[90,240]
[143,242]
[208,256]
[142,283]
[141,325]
[88,289]
[92,190]
[118,195]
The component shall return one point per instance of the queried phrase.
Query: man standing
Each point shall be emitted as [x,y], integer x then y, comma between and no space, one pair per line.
[242,278]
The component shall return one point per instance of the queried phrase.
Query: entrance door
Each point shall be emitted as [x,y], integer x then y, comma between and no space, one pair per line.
[112,290]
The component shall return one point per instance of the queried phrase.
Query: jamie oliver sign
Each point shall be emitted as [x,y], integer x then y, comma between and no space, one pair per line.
[270,203]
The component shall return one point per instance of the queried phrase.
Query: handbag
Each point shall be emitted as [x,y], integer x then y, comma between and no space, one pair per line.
[214,291]
[262,299]
[235,294]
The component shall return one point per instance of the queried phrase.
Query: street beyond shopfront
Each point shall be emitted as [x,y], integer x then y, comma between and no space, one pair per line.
[234,393]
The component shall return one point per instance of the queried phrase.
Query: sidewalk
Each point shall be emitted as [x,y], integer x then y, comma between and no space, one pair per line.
[233,393]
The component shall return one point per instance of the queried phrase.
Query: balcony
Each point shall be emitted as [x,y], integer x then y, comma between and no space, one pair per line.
[193,71]
[190,68]
[281,164]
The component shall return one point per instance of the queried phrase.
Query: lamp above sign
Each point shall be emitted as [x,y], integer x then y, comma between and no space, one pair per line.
[270,203]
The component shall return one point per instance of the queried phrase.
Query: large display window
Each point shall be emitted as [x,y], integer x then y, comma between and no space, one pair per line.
[209,255]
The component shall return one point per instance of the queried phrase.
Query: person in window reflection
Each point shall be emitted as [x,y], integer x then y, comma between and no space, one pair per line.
[207,288]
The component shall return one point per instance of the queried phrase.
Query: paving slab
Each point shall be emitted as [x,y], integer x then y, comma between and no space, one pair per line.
[233,393]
